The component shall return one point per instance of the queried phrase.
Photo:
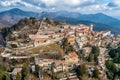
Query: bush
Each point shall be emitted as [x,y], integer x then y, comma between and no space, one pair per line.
[14,46]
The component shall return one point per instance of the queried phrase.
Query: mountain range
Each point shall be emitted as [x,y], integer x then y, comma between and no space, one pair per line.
[100,21]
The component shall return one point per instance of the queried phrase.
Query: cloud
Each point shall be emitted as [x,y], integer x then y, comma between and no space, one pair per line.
[112,5]
[29,5]
[57,4]
[67,3]
[116,2]
[70,5]
[15,3]
[60,3]
[93,8]
[9,3]
[49,2]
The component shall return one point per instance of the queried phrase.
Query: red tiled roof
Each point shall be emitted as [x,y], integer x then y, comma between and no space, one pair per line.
[41,39]
[106,31]
[73,55]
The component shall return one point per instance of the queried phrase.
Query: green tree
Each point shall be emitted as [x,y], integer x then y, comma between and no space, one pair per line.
[108,46]
[14,46]
[111,66]
[66,46]
[37,68]
[115,55]
[109,74]
[4,76]
[18,77]
[81,70]
[65,42]
[117,58]
[25,70]
[7,76]
[95,51]
[90,57]
[96,73]
[1,74]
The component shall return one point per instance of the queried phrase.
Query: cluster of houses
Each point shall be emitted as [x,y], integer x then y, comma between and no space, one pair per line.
[83,34]
[115,40]
[66,63]
[58,66]
[80,36]
[101,63]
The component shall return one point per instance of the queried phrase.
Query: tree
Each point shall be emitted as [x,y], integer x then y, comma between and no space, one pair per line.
[111,66]
[96,73]
[7,76]
[65,42]
[18,77]
[115,55]
[117,58]
[81,70]
[112,53]
[5,31]
[90,57]
[2,67]
[14,46]
[4,76]
[37,68]
[108,46]
[109,74]
[1,74]
[66,46]
[70,48]
[95,51]
[32,18]
[53,75]
[25,71]
[49,21]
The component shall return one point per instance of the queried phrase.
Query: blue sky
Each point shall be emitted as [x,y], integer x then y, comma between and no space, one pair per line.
[109,7]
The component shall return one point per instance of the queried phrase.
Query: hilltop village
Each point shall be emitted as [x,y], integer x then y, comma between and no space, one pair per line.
[58,52]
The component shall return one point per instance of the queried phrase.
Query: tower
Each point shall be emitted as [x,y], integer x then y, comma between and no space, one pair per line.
[91,27]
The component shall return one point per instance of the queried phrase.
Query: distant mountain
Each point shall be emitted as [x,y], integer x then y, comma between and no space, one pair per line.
[101,21]
[98,18]
[10,17]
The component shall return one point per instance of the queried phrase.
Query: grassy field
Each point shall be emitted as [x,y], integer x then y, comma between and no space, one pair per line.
[49,48]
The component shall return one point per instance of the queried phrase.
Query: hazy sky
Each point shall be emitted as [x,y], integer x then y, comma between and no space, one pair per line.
[109,7]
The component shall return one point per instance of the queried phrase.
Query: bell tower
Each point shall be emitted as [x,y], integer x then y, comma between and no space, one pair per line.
[91,27]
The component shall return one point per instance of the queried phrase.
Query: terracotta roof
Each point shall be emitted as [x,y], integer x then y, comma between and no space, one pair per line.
[59,62]
[41,39]
[106,31]
[80,31]
[70,36]
[74,55]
